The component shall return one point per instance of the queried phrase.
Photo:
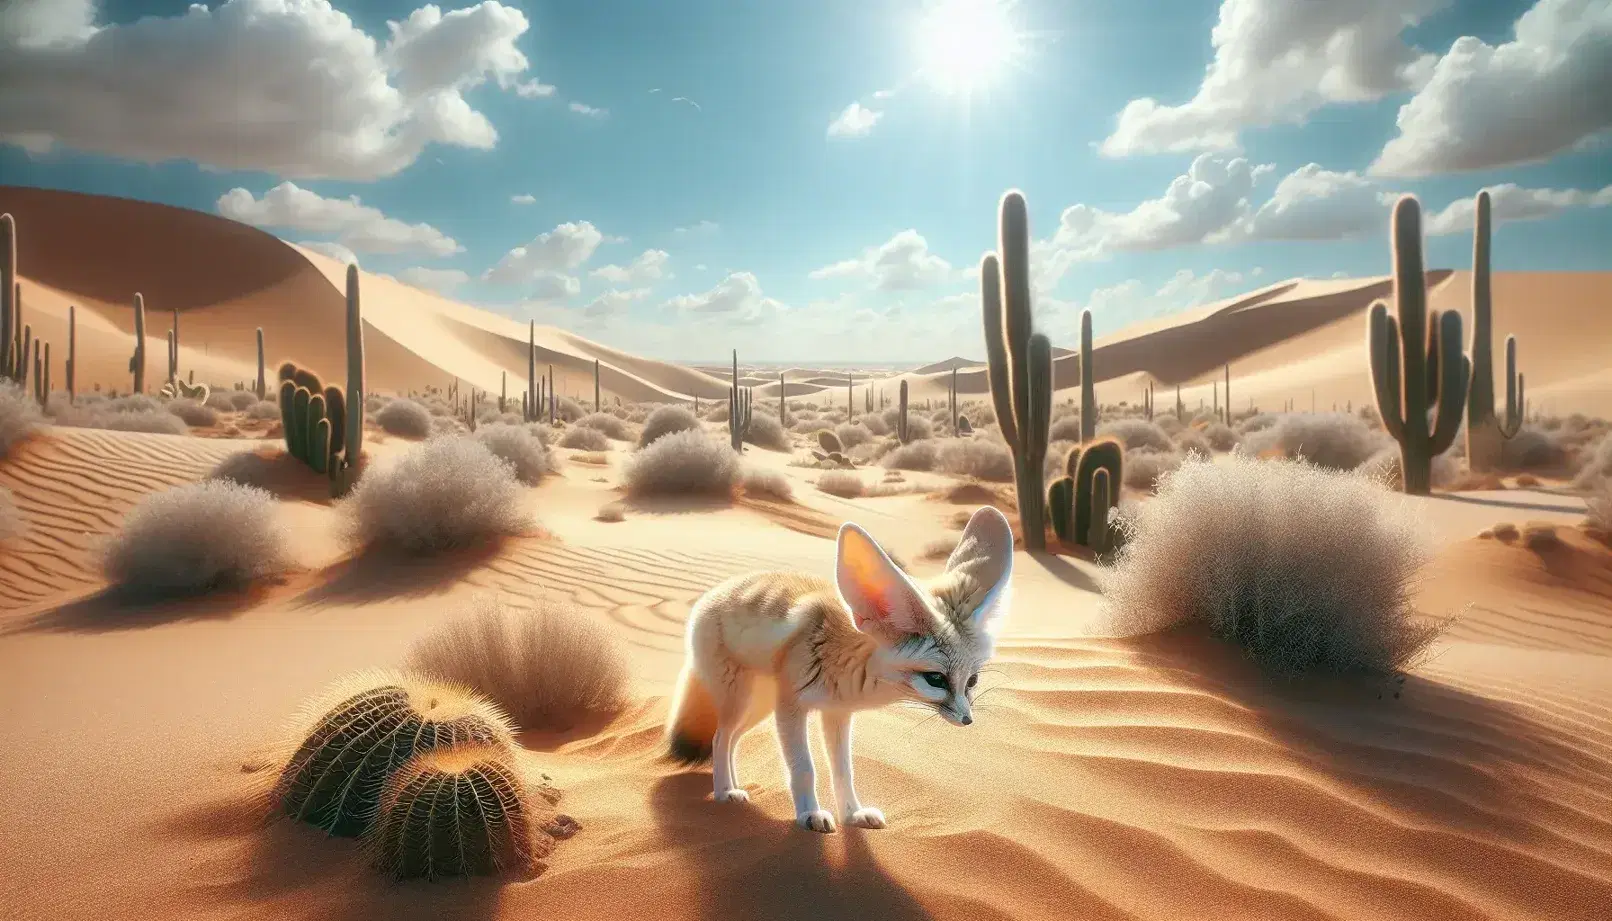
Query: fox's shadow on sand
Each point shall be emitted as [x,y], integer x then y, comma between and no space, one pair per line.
[753,866]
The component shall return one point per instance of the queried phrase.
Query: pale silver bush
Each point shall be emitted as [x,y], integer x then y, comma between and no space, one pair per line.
[193,413]
[1308,570]
[765,431]
[197,537]
[686,463]
[1337,441]
[449,492]
[665,421]
[520,448]
[405,418]
[1136,434]
[981,458]
[19,416]
[612,425]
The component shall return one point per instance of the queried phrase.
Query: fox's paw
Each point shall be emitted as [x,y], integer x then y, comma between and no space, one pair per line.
[733,796]
[816,820]
[866,817]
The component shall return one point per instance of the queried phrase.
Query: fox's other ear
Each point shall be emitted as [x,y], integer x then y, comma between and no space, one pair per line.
[985,553]
[878,594]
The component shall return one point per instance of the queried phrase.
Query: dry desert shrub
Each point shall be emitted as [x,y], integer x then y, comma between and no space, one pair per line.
[1336,441]
[1531,449]
[568,410]
[404,418]
[156,421]
[918,428]
[448,492]
[613,426]
[841,483]
[239,400]
[197,537]
[447,425]
[765,431]
[915,455]
[1065,428]
[666,420]
[1384,468]
[1506,531]
[1144,469]
[194,413]
[551,668]
[811,426]
[19,417]
[874,451]
[263,409]
[979,458]
[875,424]
[682,464]
[1539,536]
[220,401]
[1258,422]
[1598,509]
[1189,440]
[852,434]
[718,412]
[1169,423]
[134,403]
[1220,436]
[11,522]
[520,448]
[611,513]
[767,484]
[1137,433]
[1307,569]
[585,439]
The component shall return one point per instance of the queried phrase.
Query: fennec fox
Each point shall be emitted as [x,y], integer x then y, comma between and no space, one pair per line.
[788,644]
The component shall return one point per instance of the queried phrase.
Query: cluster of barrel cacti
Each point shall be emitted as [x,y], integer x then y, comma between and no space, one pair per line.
[324,426]
[739,409]
[425,774]
[1079,501]
[1019,364]
[1422,377]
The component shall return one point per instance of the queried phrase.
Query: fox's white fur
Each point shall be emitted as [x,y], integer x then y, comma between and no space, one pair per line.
[789,644]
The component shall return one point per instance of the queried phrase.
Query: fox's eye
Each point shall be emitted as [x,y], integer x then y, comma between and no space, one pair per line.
[934,679]
[973,680]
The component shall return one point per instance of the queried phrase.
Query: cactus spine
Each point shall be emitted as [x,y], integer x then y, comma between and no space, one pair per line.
[1088,391]
[1484,432]
[1398,343]
[137,363]
[1020,364]
[10,299]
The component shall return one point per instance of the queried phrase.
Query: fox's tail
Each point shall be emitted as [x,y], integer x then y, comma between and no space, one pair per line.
[691,726]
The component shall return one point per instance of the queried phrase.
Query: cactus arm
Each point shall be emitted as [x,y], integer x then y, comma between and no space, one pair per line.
[1383,347]
[1039,422]
[1088,392]
[1456,375]
[1512,424]
[1101,500]
[996,359]
[1013,248]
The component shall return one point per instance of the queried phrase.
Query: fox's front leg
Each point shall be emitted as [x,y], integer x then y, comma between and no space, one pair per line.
[837,733]
[791,720]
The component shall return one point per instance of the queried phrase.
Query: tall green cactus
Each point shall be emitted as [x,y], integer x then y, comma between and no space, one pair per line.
[344,470]
[1088,390]
[173,348]
[317,444]
[901,415]
[137,363]
[1398,344]
[951,403]
[1061,507]
[1019,363]
[72,353]
[534,402]
[1104,493]
[262,381]
[1106,456]
[1227,418]
[9,308]
[735,408]
[597,405]
[1485,432]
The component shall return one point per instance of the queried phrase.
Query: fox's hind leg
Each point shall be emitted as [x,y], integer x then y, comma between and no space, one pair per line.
[733,714]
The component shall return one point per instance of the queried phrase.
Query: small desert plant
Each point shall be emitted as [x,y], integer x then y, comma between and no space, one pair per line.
[1220,436]
[241,400]
[585,439]
[1384,468]
[613,426]
[448,492]
[841,483]
[134,403]
[665,421]
[1144,469]
[1306,569]
[1136,434]
[1598,510]
[1190,440]
[157,422]
[1531,449]
[568,410]
[223,400]
[1065,428]
[19,416]
[1337,441]
[263,409]
[11,523]
[351,738]
[1539,536]
[197,537]
[765,431]
[915,455]
[193,413]
[766,484]
[404,418]
[852,434]
[876,425]
[975,457]
[1260,421]
[682,463]
[519,447]
[611,513]
[551,668]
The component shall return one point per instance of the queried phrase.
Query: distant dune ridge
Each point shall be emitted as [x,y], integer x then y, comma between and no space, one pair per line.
[1138,752]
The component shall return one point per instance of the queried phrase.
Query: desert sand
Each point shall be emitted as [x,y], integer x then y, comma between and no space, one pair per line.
[1159,777]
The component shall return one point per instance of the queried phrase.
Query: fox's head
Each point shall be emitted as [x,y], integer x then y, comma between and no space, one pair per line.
[933,636]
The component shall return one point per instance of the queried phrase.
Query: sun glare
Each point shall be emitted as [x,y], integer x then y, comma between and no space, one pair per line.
[963,45]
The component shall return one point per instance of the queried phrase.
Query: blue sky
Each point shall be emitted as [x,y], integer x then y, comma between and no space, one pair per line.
[699,180]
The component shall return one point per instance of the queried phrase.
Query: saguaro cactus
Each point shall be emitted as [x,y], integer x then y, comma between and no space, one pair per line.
[1019,363]
[1088,391]
[1398,344]
[1227,418]
[262,382]
[344,469]
[901,415]
[534,402]
[9,308]
[1484,432]
[597,405]
[137,363]
[72,353]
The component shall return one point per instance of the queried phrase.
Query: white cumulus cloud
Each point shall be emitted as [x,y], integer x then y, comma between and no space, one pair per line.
[902,263]
[291,87]
[1510,202]
[613,303]
[857,120]
[735,299]
[560,250]
[648,266]
[582,108]
[523,199]
[354,224]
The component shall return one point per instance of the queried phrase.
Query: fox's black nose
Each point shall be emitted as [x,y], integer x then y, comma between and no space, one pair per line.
[967,721]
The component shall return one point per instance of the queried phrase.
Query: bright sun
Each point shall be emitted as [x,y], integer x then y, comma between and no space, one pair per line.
[964,44]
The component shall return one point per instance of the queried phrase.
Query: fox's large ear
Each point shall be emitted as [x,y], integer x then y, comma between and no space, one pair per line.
[878,594]
[986,554]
